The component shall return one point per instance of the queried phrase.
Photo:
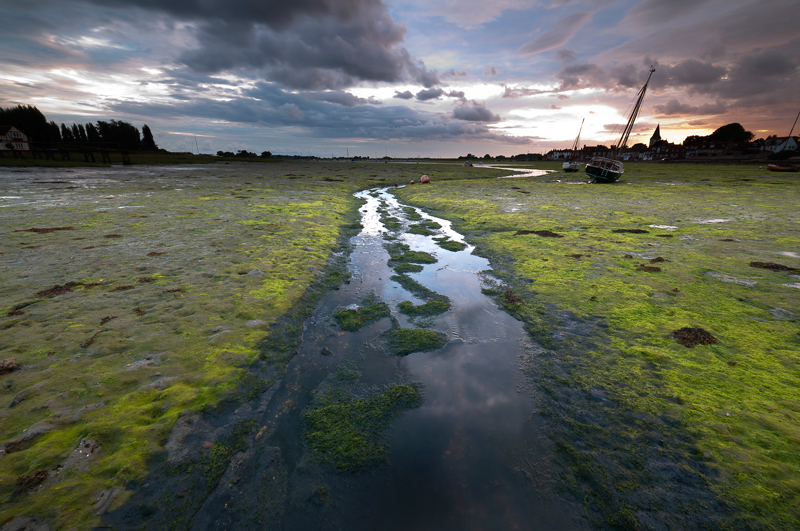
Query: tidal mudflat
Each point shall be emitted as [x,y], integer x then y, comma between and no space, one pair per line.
[133,297]
[179,358]
[655,431]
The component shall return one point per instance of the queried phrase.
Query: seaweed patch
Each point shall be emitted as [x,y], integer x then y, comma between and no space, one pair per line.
[690,337]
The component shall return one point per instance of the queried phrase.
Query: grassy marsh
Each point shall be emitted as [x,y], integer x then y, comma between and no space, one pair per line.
[605,304]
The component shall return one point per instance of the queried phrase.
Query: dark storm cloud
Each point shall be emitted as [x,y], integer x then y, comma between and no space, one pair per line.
[269,106]
[345,99]
[674,107]
[453,74]
[557,34]
[691,73]
[615,77]
[475,112]
[306,44]
[405,95]
[429,94]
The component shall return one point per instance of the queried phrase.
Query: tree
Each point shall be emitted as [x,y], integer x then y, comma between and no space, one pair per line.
[487,157]
[122,133]
[30,121]
[148,144]
[66,134]
[731,133]
[266,154]
[82,132]
[91,133]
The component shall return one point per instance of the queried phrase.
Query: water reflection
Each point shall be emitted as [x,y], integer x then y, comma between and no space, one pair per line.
[468,458]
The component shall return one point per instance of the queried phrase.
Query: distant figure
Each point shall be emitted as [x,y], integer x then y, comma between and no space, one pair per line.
[424,179]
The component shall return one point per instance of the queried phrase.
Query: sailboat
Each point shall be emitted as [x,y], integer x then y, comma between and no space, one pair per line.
[609,169]
[573,165]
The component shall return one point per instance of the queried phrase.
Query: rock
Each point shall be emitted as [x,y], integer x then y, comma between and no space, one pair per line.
[25,523]
[326,351]
[26,437]
[8,365]
[86,409]
[104,500]
[254,323]
[160,384]
[52,404]
[255,273]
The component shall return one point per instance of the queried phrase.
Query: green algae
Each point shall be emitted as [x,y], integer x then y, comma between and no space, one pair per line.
[372,309]
[347,433]
[435,306]
[725,412]
[414,287]
[406,267]
[405,341]
[450,245]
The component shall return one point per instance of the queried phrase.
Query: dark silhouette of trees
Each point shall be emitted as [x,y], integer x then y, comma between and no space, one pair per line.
[266,154]
[66,134]
[122,133]
[731,133]
[148,143]
[30,121]
[92,133]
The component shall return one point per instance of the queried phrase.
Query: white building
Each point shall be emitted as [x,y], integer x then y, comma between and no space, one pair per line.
[12,139]
[776,144]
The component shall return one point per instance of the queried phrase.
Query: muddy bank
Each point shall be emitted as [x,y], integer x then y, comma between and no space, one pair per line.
[361,434]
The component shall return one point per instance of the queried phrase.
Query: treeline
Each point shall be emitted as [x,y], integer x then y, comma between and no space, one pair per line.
[33,123]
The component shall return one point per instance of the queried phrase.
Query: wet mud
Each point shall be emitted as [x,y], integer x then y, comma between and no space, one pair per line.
[339,443]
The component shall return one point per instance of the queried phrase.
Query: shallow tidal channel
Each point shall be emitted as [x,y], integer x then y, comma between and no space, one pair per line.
[472,455]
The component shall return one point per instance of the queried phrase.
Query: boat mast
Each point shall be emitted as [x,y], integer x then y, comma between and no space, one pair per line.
[577,139]
[634,113]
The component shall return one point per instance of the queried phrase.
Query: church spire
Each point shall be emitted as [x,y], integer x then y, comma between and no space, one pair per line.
[656,136]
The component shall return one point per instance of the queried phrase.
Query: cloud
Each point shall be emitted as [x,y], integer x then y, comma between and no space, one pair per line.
[454,74]
[557,34]
[674,107]
[308,44]
[405,95]
[657,12]
[490,71]
[269,107]
[429,94]
[517,92]
[475,112]
[343,98]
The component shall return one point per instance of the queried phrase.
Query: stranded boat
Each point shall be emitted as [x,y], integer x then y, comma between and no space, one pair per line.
[609,169]
[778,167]
[573,165]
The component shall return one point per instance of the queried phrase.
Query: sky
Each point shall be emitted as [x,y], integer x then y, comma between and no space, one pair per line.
[430,78]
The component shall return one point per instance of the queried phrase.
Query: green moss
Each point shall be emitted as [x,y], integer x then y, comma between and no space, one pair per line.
[609,325]
[436,306]
[450,245]
[404,341]
[372,309]
[405,267]
[348,433]
[414,287]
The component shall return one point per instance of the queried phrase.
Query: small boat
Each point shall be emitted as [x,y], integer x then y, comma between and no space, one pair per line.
[778,167]
[609,169]
[573,165]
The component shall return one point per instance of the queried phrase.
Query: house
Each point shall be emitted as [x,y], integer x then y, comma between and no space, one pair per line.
[776,144]
[12,139]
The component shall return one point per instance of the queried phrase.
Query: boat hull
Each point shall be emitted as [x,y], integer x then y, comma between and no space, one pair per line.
[776,167]
[603,170]
[570,167]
